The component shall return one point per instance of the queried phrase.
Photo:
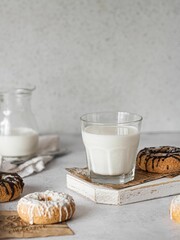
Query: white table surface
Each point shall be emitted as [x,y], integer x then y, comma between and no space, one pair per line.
[144,220]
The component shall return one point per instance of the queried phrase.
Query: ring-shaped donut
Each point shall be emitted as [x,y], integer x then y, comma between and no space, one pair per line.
[11,186]
[165,159]
[46,207]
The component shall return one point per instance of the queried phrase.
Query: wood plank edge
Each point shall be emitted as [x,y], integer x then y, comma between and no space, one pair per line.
[122,196]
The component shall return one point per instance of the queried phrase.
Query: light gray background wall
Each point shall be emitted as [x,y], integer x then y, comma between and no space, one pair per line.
[94,55]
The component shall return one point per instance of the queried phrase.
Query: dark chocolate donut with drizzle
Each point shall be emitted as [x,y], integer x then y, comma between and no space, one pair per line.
[164,159]
[11,186]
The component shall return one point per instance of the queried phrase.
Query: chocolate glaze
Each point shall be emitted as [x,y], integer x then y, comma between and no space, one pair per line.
[159,154]
[12,180]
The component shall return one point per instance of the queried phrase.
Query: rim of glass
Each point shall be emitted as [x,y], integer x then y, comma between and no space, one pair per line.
[139,118]
[28,88]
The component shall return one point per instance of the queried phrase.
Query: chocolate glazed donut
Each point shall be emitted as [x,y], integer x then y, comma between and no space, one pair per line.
[164,159]
[11,186]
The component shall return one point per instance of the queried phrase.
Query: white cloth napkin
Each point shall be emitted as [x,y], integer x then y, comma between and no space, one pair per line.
[47,149]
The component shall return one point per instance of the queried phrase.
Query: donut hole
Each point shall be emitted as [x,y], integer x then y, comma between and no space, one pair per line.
[44,198]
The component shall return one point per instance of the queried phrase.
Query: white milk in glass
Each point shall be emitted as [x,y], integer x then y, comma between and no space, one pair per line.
[111,150]
[20,142]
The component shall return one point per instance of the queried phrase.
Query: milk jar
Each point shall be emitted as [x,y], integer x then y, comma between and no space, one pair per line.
[18,127]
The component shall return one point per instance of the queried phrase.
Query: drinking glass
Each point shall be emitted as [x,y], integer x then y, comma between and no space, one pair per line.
[111,141]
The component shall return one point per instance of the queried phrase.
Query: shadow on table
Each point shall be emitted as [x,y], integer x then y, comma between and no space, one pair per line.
[81,212]
[30,189]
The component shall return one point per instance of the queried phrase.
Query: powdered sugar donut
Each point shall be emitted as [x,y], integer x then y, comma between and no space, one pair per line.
[46,207]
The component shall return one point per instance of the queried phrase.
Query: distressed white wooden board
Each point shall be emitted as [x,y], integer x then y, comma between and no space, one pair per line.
[155,189]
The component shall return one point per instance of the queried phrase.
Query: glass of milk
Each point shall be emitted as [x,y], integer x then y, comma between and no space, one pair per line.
[111,141]
[18,127]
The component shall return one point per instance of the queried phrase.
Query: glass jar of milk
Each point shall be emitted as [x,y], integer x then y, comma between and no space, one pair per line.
[111,141]
[18,127]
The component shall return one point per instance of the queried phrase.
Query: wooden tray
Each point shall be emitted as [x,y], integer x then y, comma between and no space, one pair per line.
[145,186]
[11,226]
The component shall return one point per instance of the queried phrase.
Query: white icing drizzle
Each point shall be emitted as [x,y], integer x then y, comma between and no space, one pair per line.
[44,203]
[14,178]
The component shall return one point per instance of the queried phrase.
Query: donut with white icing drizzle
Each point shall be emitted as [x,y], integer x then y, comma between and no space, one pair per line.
[46,207]
[175,209]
